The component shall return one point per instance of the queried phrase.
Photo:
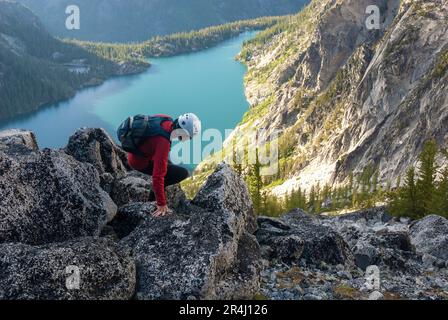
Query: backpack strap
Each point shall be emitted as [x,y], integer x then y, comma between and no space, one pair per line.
[159,129]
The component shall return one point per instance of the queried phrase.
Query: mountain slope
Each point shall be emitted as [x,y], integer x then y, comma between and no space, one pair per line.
[36,69]
[138,20]
[347,98]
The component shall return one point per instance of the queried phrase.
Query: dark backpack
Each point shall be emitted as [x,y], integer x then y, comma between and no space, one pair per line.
[134,130]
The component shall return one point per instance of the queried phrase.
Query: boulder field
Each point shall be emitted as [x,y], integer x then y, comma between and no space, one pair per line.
[75,223]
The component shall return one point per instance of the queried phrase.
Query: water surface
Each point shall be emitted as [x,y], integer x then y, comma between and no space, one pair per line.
[208,83]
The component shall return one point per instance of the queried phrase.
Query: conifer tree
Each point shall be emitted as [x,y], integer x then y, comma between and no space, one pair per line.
[406,201]
[255,183]
[427,177]
[442,189]
[311,199]
[237,162]
[442,194]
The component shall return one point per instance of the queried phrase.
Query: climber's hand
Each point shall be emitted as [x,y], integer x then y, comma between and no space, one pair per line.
[161,211]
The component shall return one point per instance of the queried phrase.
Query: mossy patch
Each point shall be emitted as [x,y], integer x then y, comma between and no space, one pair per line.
[346,292]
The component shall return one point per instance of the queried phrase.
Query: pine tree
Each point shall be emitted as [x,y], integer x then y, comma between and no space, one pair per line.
[442,189]
[311,199]
[442,194]
[237,162]
[255,183]
[406,201]
[349,190]
[427,177]
[317,200]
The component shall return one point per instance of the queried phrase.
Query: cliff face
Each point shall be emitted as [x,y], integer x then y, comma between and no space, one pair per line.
[346,97]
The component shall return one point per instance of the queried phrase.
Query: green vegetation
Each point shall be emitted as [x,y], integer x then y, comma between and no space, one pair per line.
[256,112]
[179,43]
[425,190]
[293,31]
[418,8]
[34,66]
[255,183]
[442,65]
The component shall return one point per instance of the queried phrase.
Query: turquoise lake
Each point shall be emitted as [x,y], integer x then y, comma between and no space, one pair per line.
[208,83]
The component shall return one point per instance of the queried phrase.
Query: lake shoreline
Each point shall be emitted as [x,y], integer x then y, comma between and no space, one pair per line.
[136,69]
[192,81]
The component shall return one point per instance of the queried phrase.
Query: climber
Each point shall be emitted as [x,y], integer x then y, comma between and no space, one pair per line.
[147,139]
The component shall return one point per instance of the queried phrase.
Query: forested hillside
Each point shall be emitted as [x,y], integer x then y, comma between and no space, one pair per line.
[139,20]
[36,69]
[178,43]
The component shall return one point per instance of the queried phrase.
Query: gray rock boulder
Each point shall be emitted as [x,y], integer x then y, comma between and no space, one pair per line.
[305,233]
[96,147]
[224,190]
[50,272]
[202,251]
[370,216]
[365,255]
[279,241]
[392,250]
[14,137]
[47,196]
[132,187]
[136,187]
[430,236]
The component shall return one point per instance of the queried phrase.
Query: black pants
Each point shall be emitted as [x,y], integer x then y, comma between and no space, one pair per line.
[174,175]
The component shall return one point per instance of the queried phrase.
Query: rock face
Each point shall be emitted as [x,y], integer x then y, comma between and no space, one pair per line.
[226,191]
[132,187]
[346,96]
[96,147]
[297,236]
[47,196]
[50,272]
[10,138]
[203,251]
[135,187]
[430,236]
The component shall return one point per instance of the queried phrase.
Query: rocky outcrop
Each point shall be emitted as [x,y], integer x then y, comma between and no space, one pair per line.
[297,236]
[132,187]
[202,251]
[11,138]
[430,236]
[82,269]
[47,196]
[96,147]
[227,192]
[53,216]
[395,247]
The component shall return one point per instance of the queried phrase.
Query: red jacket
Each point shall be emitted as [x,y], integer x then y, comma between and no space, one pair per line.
[156,149]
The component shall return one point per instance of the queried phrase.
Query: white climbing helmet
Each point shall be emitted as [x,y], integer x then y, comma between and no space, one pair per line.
[190,123]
